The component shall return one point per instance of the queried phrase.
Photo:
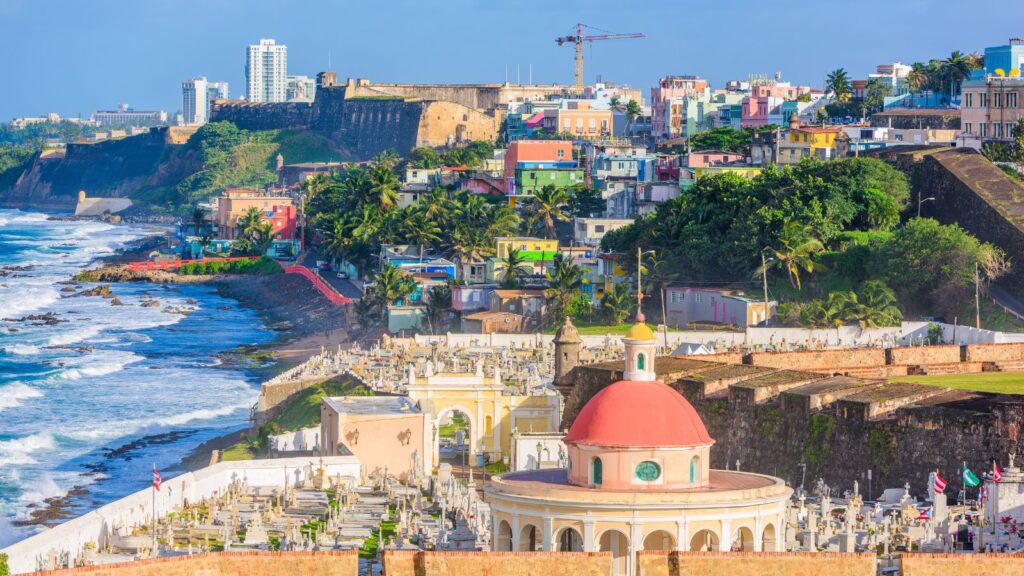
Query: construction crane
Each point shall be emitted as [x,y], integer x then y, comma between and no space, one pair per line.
[579,38]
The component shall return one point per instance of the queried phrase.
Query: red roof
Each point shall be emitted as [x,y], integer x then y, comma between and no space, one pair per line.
[638,414]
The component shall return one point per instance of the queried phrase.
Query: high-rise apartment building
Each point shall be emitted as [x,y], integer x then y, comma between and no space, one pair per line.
[194,101]
[266,72]
[217,91]
[301,89]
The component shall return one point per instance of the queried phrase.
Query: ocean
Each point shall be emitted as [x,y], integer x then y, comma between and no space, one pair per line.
[92,394]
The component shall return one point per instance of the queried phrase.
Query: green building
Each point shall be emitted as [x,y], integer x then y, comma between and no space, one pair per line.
[529,180]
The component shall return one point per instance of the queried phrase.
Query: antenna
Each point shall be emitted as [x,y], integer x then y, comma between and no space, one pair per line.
[506,73]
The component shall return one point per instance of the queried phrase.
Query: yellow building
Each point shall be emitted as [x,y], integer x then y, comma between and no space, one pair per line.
[813,142]
[638,478]
[581,120]
[493,414]
[526,245]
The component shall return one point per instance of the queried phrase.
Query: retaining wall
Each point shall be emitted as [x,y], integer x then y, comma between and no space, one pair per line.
[659,563]
[412,563]
[329,563]
[961,564]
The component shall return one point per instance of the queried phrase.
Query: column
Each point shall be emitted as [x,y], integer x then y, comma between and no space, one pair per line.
[548,529]
[636,544]
[725,543]
[494,532]
[682,535]
[589,543]
[758,527]
[496,430]
[515,532]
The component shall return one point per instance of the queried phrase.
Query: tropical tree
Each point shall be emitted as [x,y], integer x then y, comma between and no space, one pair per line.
[838,83]
[878,305]
[262,236]
[617,303]
[424,158]
[513,268]
[438,306]
[393,285]
[954,70]
[383,183]
[421,230]
[548,203]
[796,251]
[204,241]
[198,218]
[249,220]
[564,281]
[633,111]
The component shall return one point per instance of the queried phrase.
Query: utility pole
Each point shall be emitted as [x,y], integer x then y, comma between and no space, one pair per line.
[977,299]
[764,283]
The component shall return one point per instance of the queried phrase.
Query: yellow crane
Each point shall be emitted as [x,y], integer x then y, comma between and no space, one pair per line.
[579,38]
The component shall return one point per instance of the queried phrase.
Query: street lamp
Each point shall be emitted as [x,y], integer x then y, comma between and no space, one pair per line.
[922,201]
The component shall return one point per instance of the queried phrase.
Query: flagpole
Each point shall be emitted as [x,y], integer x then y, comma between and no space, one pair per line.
[153,490]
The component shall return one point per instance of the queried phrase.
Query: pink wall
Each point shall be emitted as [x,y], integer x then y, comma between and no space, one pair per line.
[381,442]
[619,467]
[536,151]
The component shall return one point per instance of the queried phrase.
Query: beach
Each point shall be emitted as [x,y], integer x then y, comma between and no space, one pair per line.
[97,386]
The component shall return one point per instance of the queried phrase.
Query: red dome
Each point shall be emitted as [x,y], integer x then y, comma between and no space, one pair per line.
[638,414]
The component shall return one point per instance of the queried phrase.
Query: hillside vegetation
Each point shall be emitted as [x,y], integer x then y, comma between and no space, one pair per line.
[231,157]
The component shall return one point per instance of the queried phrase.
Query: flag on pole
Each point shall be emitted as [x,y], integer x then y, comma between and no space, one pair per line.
[925,514]
[997,474]
[970,480]
[983,496]
[156,479]
[939,483]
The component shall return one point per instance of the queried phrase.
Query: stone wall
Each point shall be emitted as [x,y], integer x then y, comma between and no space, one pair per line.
[329,563]
[659,563]
[819,359]
[448,123]
[273,397]
[994,352]
[916,355]
[961,564]
[262,115]
[412,563]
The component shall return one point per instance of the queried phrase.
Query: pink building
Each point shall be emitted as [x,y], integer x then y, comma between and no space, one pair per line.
[536,152]
[703,158]
[666,103]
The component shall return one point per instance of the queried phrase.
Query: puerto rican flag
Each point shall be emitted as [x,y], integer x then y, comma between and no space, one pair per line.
[997,474]
[984,495]
[156,479]
[939,483]
[925,514]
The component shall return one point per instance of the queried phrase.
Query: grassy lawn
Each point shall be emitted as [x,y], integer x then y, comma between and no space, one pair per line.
[240,451]
[588,329]
[995,382]
[458,423]
[371,544]
[992,318]
[304,410]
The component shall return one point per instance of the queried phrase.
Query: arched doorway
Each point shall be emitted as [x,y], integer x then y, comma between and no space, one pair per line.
[704,541]
[503,539]
[616,542]
[569,540]
[453,437]
[768,539]
[529,540]
[743,540]
[659,540]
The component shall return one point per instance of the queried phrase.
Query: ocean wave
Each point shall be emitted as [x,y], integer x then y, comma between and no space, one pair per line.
[99,364]
[18,451]
[22,349]
[21,299]
[12,394]
[73,336]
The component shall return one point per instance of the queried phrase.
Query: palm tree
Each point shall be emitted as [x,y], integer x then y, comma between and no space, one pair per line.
[393,284]
[564,281]
[249,220]
[879,305]
[470,245]
[918,78]
[438,304]
[617,303]
[337,239]
[838,83]
[633,111]
[548,203]
[204,242]
[198,218]
[796,253]
[421,230]
[513,267]
[263,236]
[437,204]
[384,185]
[954,70]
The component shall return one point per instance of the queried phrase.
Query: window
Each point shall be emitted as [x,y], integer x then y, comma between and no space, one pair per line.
[561,153]
[1008,129]
[694,472]
[983,100]
[997,129]
[648,471]
[641,361]
[598,228]
[1011,100]
[969,99]
[997,100]
[596,473]
[982,129]
[967,130]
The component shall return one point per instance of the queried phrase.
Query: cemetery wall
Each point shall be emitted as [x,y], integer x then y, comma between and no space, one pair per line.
[819,359]
[924,355]
[994,352]
[136,509]
[961,564]
[327,563]
[663,563]
[413,563]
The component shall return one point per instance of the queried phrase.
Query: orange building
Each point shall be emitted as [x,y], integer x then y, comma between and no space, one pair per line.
[538,153]
[581,120]
[235,202]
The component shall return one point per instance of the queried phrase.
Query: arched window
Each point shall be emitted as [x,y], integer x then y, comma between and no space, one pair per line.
[596,472]
[640,361]
[694,469]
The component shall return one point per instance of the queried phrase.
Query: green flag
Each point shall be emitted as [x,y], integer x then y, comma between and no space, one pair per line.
[970,479]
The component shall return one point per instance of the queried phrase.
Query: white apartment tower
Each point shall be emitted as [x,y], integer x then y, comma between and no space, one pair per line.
[266,70]
[194,101]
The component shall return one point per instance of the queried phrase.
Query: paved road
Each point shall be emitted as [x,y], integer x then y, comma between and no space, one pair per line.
[1007,300]
[345,287]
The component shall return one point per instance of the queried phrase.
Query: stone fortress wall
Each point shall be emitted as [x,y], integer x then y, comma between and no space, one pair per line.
[326,563]
[836,413]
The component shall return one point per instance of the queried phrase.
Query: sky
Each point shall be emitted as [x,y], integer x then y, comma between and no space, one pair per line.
[77,56]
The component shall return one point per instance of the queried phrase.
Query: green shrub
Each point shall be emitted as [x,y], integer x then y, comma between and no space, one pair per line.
[262,266]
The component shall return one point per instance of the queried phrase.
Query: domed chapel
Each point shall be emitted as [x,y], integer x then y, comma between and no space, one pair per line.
[638,478]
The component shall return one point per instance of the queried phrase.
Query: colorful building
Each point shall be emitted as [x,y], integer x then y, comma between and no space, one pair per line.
[686,305]
[580,119]
[529,180]
[538,154]
[667,116]
[233,204]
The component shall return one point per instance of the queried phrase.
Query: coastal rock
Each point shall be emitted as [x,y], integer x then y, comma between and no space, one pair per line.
[150,303]
[68,289]
[102,291]
[116,302]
